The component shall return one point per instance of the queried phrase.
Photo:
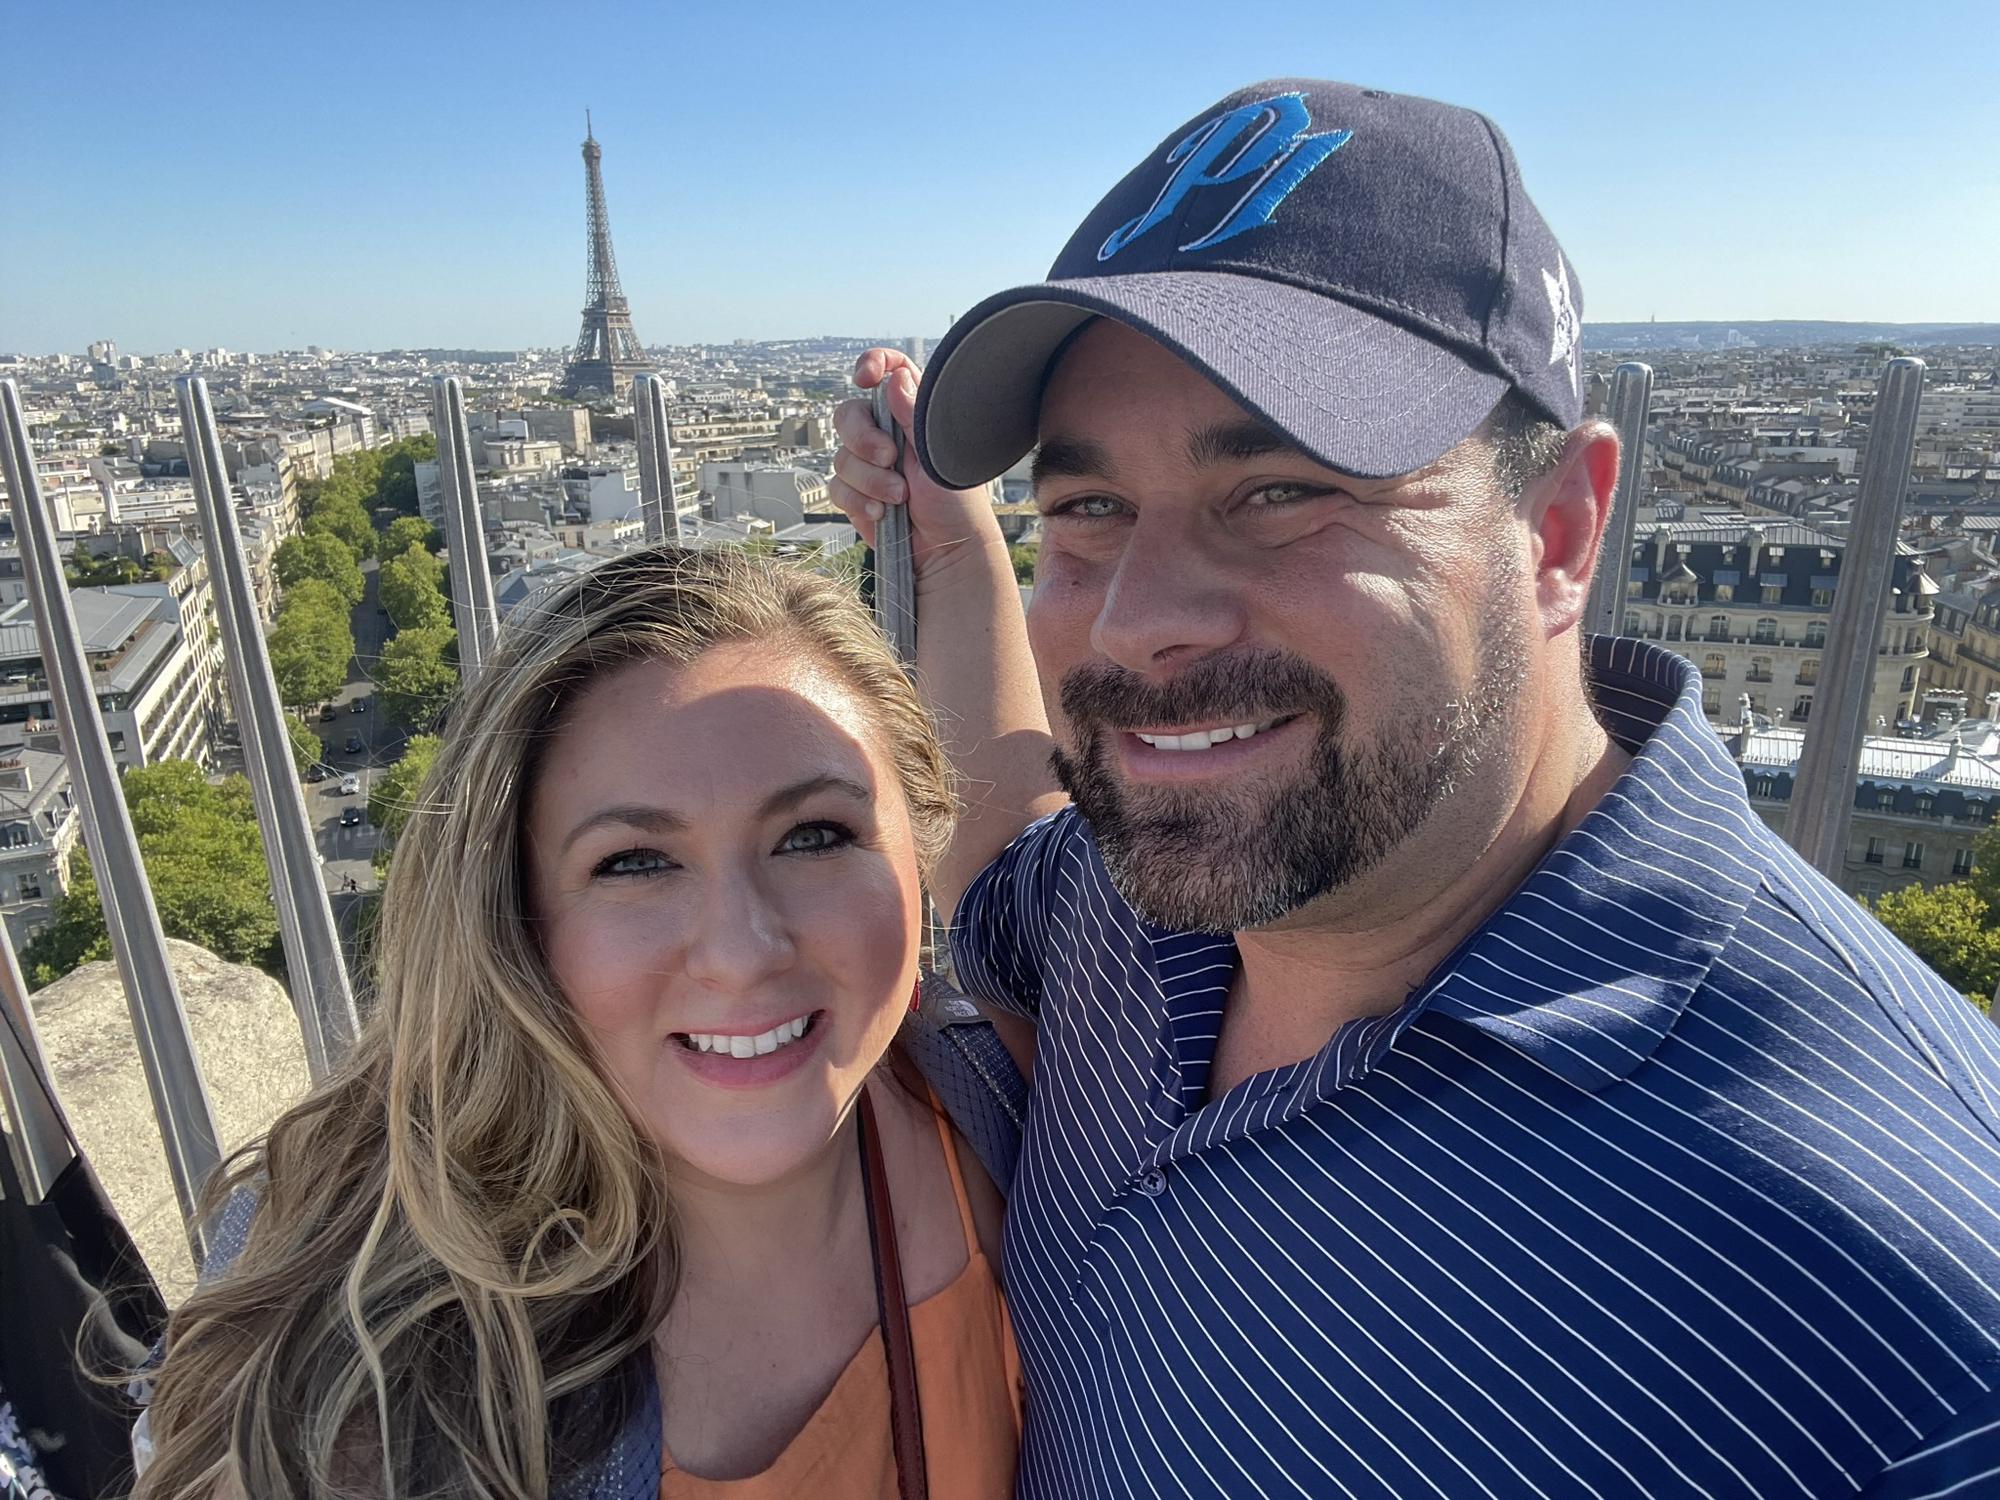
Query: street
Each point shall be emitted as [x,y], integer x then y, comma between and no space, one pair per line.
[348,853]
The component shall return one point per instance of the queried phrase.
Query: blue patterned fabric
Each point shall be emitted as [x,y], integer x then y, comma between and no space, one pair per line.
[1680,1177]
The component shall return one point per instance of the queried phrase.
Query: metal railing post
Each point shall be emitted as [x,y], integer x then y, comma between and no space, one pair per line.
[1631,400]
[473,609]
[159,1022]
[654,431]
[37,1137]
[895,562]
[1822,803]
[320,990]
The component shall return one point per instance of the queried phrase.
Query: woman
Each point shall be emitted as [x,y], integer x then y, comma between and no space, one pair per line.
[595,1191]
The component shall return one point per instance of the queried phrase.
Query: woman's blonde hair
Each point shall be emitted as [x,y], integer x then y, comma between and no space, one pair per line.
[460,1240]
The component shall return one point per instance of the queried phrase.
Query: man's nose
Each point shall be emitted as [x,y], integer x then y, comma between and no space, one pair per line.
[1167,603]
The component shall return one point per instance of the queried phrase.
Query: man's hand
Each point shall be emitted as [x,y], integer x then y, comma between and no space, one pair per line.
[945,525]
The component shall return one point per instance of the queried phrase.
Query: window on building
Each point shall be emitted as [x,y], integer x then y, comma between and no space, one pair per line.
[1925,802]
[1632,626]
[1635,588]
[1763,786]
[1760,669]
[1718,627]
[31,887]
[1886,797]
[1808,671]
[1802,707]
[1711,703]
[1909,678]
[1874,854]
[1771,594]
[1725,593]
[1961,864]
[1822,598]
[1767,632]
[1816,633]
[1913,856]
[1673,627]
[1975,810]
[1713,665]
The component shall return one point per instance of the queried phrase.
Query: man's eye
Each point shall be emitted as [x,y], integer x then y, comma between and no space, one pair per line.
[1272,496]
[632,862]
[1089,508]
[815,838]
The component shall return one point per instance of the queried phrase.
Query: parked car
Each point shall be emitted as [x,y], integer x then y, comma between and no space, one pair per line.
[328,714]
[354,745]
[357,706]
[316,773]
[349,785]
[350,817]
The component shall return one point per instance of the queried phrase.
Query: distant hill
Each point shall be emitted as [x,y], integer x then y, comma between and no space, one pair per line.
[1780,334]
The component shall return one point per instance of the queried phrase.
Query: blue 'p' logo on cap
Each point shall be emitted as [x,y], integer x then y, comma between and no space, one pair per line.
[1264,142]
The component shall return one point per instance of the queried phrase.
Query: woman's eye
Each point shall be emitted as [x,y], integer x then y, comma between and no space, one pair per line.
[632,862]
[815,838]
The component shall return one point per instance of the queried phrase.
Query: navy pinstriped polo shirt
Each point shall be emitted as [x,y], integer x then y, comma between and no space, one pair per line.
[1681,1177]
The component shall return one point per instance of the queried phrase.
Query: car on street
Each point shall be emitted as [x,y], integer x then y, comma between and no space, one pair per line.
[350,817]
[358,706]
[354,745]
[328,714]
[316,773]
[349,785]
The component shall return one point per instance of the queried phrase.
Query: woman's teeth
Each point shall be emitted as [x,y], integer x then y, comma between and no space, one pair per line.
[1202,739]
[781,1035]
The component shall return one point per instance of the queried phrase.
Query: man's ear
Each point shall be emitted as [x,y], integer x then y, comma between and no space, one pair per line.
[1567,511]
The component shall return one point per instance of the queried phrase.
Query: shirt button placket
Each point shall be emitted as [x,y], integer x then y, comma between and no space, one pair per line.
[1152,1183]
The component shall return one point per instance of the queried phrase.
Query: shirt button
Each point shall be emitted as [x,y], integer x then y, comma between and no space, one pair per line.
[1153,1183]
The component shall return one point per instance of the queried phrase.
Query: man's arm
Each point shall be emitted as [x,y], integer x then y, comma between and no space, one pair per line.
[974,669]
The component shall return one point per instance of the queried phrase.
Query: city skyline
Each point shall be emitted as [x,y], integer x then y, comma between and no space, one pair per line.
[250,180]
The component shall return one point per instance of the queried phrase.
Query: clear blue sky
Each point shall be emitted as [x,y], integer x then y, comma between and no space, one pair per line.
[369,175]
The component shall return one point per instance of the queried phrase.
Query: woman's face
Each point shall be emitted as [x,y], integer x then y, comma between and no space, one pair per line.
[721,867]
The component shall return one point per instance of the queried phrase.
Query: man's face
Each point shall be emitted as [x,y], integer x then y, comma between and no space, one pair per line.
[1269,675]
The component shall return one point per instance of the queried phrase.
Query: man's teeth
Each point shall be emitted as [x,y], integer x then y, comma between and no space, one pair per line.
[781,1035]
[1201,739]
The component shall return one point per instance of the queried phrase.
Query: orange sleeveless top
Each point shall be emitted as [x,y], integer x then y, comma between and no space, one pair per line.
[968,1385]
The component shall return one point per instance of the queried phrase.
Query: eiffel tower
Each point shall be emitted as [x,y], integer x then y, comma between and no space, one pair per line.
[607,353]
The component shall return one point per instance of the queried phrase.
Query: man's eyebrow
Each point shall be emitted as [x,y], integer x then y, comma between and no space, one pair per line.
[1069,458]
[659,820]
[1236,440]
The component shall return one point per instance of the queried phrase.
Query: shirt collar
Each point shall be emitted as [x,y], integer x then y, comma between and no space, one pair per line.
[1589,964]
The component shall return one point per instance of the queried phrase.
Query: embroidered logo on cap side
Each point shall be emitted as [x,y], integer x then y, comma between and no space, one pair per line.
[1564,329]
[1264,143]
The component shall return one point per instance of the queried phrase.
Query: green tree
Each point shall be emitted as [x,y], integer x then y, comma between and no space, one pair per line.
[321,555]
[311,643]
[1950,928]
[204,862]
[345,518]
[406,532]
[397,487]
[414,678]
[394,796]
[306,747]
[410,585]
[1024,562]
[86,570]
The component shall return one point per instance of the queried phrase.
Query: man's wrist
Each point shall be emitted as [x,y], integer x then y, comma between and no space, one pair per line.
[971,562]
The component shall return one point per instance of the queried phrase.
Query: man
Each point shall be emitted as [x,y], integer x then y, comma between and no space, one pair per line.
[1444,1084]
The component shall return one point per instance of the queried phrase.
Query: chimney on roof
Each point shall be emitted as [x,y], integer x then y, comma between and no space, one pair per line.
[1746,726]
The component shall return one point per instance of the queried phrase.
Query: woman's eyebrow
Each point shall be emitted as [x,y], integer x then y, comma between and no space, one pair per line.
[660,820]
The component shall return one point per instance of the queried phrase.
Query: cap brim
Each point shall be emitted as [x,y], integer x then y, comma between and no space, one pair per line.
[1358,393]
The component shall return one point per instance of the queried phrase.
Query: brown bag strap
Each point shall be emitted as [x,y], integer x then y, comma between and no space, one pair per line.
[906,1422]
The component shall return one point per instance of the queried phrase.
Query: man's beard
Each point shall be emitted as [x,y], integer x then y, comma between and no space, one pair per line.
[1221,857]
